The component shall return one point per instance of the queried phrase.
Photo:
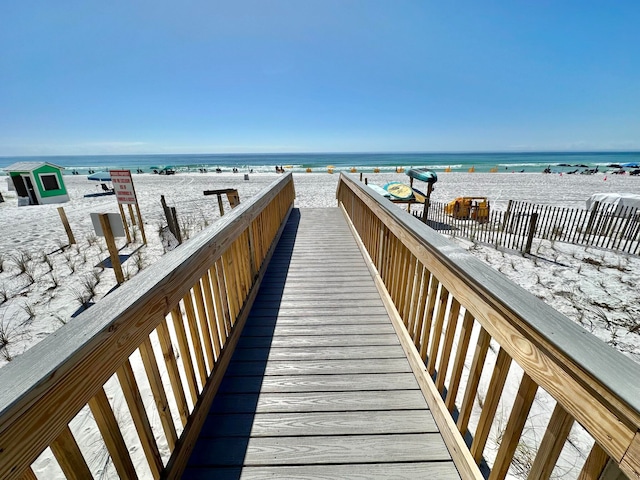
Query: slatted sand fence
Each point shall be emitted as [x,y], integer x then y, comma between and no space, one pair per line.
[440,298]
[319,386]
[604,226]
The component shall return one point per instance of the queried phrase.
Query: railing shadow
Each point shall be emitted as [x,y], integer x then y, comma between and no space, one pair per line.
[225,435]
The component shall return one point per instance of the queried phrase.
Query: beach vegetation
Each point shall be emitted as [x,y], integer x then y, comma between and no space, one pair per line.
[21,261]
[61,244]
[139,260]
[71,264]
[29,274]
[81,296]
[48,261]
[8,335]
[30,309]
[92,239]
[88,283]
[59,318]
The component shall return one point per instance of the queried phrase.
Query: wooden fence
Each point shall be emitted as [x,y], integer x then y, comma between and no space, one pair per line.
[197,298]
[437,296]
[603,226]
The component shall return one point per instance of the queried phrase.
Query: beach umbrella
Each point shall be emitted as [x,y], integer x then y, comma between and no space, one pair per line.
[631,165]
[100,177]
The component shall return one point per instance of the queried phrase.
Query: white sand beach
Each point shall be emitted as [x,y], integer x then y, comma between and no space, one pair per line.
[42,285]
[36,302]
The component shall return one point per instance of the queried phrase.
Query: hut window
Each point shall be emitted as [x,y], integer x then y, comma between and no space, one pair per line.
[50,182]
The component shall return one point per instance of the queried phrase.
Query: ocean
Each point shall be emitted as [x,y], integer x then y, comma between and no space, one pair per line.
[318,162]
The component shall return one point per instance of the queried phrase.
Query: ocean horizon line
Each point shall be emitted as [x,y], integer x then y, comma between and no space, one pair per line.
[363,152]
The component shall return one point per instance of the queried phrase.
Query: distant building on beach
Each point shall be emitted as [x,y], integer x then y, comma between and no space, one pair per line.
[38,183]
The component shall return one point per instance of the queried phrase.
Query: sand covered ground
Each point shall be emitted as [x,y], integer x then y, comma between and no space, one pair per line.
[55,284]
[42,284]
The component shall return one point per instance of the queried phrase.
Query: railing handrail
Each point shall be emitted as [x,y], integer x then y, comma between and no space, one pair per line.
[111,330]
[611,379]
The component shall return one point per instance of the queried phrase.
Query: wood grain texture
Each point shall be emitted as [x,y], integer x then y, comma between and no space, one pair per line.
[318,450]
[456,445]
[597,385]
[511,436]
[159,393]
[69,457]
[319,367]
[300,424]
[319,377]
[108,426]
[129,386]
[551,445]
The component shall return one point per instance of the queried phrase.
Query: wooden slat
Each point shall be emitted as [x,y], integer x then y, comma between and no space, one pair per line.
[69,456]
[447,343]
[475,372]
[511,436]
[343,401]
[29,475]
[337,329]
[158,391]
[319,367]
[203,321]
[437,330]
[318,383]
[441,471]
[230,451]
[171,365]
[494,392]
[595,464]
[300,424]
[185,353]
[110,431]
[129,386]
[552,443]
[304,341]
[458,364]
[194,333]
[372,352]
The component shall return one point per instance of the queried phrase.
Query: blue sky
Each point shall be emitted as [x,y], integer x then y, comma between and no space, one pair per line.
[128,76]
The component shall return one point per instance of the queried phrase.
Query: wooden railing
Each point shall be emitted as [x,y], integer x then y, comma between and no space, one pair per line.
[441,298]
[196,297]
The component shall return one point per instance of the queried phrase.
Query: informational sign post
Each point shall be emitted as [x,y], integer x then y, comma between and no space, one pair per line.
[109,226]
[126,195]
[123,186]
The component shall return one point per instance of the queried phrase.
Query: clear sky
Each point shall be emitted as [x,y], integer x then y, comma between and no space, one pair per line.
[206,76]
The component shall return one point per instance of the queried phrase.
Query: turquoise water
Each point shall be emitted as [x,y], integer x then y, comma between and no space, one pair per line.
[362,162]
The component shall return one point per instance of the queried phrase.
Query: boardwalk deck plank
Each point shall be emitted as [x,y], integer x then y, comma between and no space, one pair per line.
[319,386]
[318,367]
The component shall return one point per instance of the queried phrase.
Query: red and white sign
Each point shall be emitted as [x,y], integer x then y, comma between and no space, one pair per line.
[123,186]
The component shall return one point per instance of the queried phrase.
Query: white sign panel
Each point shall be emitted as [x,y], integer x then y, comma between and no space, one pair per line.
[115,222]
[123,186]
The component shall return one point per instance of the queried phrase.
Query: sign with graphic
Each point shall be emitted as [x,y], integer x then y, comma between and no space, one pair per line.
[123,186]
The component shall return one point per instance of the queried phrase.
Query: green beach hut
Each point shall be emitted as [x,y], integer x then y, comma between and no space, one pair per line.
[38,183]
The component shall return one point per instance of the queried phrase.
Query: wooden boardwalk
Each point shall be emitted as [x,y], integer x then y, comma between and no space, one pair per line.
[319,386]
